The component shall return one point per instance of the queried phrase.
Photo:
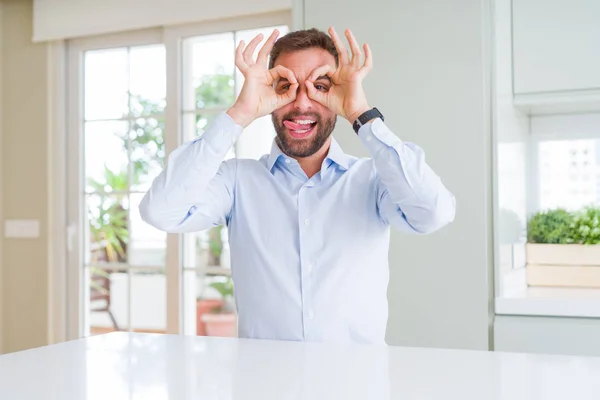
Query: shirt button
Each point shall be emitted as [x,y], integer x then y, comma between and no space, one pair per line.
[309,267]
[306,222]
[311,314]
[287,161]
[369,138]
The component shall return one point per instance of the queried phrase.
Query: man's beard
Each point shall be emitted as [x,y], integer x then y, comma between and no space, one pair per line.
[302,147]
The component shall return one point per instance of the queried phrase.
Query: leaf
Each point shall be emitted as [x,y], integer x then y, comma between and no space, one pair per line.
[553,226]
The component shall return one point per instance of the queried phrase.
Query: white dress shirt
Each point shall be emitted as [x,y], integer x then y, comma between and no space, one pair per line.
[309,257]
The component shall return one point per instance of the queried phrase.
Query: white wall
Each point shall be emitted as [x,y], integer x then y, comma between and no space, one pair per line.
[511,132]
[25,262]
[573,336]
[431,80]
[58,19]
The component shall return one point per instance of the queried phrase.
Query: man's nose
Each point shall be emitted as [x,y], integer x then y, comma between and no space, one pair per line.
[302,102]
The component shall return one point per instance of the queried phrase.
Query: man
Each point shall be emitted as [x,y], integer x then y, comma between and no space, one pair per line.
[308,224]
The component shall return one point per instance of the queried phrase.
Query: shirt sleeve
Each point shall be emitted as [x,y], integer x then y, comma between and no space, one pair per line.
[411,197]
[195,191]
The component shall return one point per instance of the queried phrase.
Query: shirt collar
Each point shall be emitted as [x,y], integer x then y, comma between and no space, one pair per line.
[275,154]
[335,154]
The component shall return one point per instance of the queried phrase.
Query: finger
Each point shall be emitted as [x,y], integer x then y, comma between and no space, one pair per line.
[323,70]
[342,52]
[356,53]
[282,72]
[314,94]
[288,96]
[249,52]
[263,54]
[239,58]
[368,65]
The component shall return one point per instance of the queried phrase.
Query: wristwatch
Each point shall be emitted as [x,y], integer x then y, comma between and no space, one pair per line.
[366,117]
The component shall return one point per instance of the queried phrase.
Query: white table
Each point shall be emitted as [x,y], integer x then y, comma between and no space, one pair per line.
[141,366]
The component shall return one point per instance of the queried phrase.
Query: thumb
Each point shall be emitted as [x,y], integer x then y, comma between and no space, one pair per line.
[314,94]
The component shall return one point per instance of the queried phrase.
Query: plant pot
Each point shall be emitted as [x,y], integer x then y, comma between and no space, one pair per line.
[223,325]
[563,265]
[205,306]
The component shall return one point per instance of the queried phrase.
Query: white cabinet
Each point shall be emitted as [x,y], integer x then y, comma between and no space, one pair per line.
[572,336]
[556,46]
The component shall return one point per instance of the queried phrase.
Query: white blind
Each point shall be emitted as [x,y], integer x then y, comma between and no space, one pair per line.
[61,19]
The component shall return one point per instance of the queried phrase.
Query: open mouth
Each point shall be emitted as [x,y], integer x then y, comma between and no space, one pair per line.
[300,127]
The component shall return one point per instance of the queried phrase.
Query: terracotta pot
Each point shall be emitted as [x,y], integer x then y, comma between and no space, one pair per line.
[224,325]
[205,307]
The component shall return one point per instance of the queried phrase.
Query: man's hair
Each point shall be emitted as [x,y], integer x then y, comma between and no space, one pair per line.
[303,40]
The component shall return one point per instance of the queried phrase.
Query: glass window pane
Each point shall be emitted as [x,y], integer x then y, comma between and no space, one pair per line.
[106,83]
[106,307]
[208,305]
[106,156]
[569,173]
[207,249]
[258,136]
[107,233]
[149,301]
[247,36]
[194,125]
[147,246]
[209,72]
[256,140]
[147,75]
[147,151]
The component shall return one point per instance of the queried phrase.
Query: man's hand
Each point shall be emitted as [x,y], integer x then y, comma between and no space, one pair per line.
[257,97]
[345,95]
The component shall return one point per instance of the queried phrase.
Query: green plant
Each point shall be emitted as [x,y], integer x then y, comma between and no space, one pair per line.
[552,226]
[586,226]
[94,285]
[215,246]
[225,289]
[144,142]
[108,221]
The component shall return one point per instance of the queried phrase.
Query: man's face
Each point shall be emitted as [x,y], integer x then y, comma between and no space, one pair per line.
[304,125]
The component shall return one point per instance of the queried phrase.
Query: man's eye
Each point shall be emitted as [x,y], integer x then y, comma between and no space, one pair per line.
[286,86]
[321,87]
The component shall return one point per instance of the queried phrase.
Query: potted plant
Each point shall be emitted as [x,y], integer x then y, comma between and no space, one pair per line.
[204,305]
[562,248]
[215,246]
[222,321]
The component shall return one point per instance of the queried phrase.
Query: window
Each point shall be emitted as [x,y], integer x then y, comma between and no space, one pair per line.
[569,173]
[555,270]
[132,99]
[124,258]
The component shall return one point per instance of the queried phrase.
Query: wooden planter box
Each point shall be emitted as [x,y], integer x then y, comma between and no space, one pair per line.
[563,265]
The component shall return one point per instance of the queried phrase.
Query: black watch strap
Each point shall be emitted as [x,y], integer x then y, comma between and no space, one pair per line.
[366,117]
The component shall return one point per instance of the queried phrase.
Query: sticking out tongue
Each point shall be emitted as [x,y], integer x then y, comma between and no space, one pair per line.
[297,127]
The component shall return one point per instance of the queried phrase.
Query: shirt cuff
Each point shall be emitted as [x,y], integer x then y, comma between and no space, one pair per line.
[376,136]
[222,134]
